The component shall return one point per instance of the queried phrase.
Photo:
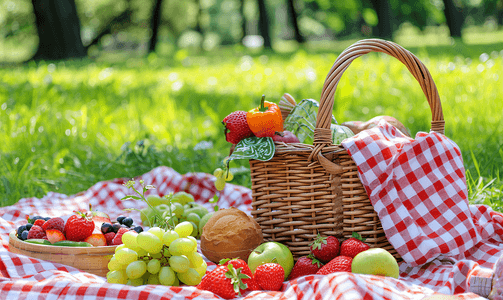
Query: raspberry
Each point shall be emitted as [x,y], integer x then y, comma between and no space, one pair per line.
[39,222]
[36,232]
[118,237]
[54,223]
[109,236]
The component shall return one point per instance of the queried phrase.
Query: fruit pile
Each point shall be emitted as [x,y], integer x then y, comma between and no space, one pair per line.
[157,256]
[352,255]
[175,210]
[92,228]
[263,121]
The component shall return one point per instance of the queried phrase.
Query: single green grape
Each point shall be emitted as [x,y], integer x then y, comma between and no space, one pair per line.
[182,197]
[177,209]
[129,239]
[195,230]
[149,242]
[190,277]
[201,269]
[169,237]
[194,241]
[117,277]
[114,265]
[159,232]
[181,246]
[135,282]
[136,269]
[193,217]
[195,259]
[125,256]
[153,279]
[179,264]
[184,229]
[121,246]
[167,276]
[229,176]
[155,255]
[220,183]
[153,266]
[218,172]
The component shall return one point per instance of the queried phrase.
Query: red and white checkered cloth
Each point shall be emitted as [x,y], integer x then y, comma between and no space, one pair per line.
[22,277]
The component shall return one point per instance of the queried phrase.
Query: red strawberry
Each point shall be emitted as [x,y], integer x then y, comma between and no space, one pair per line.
[325,248]
[239,263]
[270,276]
[353,246]
[78,227]
[36,232]
[118,237]
[54,235]
[39,222]
[109,237]
[339,264]
[236,127]
[306,265]
[54,223]
[224,281]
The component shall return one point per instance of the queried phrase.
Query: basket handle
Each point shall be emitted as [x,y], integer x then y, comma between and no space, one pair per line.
[322,132]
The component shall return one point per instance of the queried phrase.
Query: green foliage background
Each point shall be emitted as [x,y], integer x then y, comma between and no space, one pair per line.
[67,125]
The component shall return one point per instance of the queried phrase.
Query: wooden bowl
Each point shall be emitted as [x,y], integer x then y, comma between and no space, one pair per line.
[89,259]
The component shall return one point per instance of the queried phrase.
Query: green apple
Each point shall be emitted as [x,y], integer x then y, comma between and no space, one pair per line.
[375,261]
[266,252]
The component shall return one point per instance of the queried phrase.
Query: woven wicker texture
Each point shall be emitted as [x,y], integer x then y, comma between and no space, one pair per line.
[309,189]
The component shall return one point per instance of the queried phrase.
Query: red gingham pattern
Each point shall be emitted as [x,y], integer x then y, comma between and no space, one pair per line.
[22,277]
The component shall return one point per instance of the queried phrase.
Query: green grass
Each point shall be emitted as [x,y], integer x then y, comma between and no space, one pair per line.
[68,125]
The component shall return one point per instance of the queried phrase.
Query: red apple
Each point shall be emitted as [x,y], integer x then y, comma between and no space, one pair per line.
[288,137]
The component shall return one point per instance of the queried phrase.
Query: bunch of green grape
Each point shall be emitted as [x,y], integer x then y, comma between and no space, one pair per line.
[179,208]
[157,256]
[222,176]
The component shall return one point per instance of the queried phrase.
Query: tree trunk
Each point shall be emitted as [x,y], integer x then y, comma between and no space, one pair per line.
[385,19]
[58,28]
[243,20]
[263,23]
[155,21]
[454,18]
[292,13]
[198,18]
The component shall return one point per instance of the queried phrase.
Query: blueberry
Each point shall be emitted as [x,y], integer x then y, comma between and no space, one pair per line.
[120,219]
[20,230]
[127,221]
[138,229]
[106,227]
[24,235]
[28,226]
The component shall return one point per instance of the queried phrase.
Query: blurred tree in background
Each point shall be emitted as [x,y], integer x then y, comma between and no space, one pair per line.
[43,29]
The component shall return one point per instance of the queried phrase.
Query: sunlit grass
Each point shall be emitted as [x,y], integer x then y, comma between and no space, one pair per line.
[66,126]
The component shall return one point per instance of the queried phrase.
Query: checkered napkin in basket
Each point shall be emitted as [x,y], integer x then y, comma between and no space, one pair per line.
[22,277]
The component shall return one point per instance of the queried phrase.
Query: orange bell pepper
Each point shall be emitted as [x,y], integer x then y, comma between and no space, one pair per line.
[265,120]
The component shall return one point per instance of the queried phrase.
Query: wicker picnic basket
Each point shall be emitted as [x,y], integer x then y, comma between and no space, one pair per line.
[309,189]
[93,260]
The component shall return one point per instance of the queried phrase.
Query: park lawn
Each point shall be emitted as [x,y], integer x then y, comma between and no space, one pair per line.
[67,125]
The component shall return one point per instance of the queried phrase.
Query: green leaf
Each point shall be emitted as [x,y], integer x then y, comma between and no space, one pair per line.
[254,148]
[131,197]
